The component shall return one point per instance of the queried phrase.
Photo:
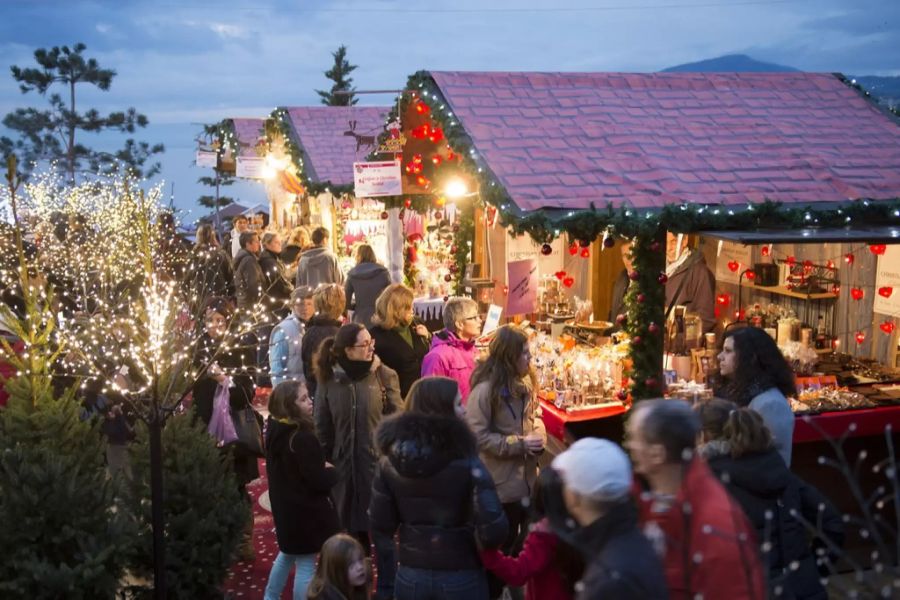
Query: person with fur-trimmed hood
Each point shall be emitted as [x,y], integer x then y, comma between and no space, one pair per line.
[432,490]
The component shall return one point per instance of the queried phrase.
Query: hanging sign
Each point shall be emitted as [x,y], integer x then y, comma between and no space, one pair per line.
[522,278]
[732,260]
[250,167]
[374,179]
[206,159]
[887,282]
[492,321]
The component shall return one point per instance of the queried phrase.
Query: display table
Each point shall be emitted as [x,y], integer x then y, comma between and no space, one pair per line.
[555,419]
[866,422]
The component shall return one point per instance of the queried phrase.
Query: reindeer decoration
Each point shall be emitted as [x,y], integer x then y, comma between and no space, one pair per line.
[361,140]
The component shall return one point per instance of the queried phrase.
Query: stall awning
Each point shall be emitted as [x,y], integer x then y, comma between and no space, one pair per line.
[871,235]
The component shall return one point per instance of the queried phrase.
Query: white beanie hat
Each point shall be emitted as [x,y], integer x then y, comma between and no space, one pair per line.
[596,468]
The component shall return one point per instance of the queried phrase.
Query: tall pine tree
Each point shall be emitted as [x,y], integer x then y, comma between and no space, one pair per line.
[339,73]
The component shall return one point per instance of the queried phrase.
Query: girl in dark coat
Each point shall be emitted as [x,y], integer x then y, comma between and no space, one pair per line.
[433,491]
[329,302]
[364,284]
[342,573]
[400,342]
[738,448]
[299,484]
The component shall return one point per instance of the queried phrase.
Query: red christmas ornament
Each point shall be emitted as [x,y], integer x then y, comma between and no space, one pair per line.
[849,258]
[560,274]
[573,248]
[454,268]
[653,328]
[422,108]
[622,395]
[448,278]
[654,246]
[751,275]
[407,203]
[765,251]
[608,242]
[651,382]
[733,266]
[723,299]
[569,282]
[436,159]
[636,340]
[634,275]
[791,260]
[453,249]
[546,249]
[585,252]
[384,215]
[662,279]
[887,327]
[438,215]
[455,227]
[877,249]
[885,291]
[621,318]
[860,337]
[641,298]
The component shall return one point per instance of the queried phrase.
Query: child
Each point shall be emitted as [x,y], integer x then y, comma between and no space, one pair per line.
[546,566]
[342,573]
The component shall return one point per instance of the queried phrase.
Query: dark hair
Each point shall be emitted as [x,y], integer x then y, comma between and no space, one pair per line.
[221,305]
[338,553]
[241,218]
[206,237]
[332,348]
[743,428]
[319,235]
[283,403]
[759,366]
[246,238]
[500,368]
[670,423]
[433,396]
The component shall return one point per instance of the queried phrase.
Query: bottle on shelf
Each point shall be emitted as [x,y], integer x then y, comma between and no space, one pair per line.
[821,341]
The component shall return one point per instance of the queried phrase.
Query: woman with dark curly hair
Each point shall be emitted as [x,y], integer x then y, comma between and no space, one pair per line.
[760,378]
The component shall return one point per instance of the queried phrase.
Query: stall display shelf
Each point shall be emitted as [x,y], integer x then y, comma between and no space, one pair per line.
[866,421]
[783,291]
[555,419]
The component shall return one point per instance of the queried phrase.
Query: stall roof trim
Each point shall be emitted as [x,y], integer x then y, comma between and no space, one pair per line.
[645,140]
[812,235]
[248,131]
[322,132]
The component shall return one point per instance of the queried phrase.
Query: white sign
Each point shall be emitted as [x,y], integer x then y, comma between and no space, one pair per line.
[206,158]
[250,167]
[492,321]
[887,282]
[523,248]
[374,179]
[732,256]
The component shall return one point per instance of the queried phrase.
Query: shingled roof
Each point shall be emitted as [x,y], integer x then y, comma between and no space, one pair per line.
[247,132]
[330,153]
[566,140]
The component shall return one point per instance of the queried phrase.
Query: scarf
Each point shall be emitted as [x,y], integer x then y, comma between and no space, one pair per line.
[405,332]
[356,370]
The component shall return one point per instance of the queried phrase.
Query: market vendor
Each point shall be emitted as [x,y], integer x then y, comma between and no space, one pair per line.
[690,282]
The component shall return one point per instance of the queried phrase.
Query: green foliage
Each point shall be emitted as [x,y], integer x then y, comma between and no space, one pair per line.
[59,530]
[217,132]
[645,301]
[51,134]
[204,513]
[339,73]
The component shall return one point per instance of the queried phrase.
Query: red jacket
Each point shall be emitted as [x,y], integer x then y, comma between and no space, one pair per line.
[533,567]
[707,544]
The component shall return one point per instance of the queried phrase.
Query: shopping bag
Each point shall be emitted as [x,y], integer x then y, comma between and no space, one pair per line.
[248,426]
[221,426]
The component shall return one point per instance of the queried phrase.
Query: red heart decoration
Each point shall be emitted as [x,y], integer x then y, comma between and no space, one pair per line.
[887,327]
[750,275]
[723,299]
[860,337]
[569,282]
[733,265]
[791,260]
[877,249]
[573,248]
[857,293]
[585,252]
[560,274]
[848,258]
[765,250]
[885,291]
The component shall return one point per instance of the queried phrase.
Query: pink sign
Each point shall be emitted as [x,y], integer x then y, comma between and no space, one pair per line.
[522,276]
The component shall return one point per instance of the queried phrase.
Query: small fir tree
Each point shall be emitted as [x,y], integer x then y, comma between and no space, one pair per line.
[339,73]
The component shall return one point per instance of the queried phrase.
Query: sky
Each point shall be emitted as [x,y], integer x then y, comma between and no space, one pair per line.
[188,62]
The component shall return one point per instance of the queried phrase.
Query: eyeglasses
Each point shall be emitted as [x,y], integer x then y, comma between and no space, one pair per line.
[366,345]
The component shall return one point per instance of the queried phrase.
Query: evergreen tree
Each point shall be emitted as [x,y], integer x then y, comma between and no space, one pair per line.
[51,134]
[205,515]
[339,73]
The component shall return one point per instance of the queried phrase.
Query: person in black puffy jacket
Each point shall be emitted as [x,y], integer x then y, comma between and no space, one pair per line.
[738,448]
[432,489]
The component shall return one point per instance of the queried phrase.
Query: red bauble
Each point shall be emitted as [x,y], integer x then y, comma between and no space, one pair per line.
[885,291]
[791,260]
[454,268]
[887,327]
[446,298]
[651,382]
[877,249]
[765,251]
[662,279]
[609,242]
[857,293]
[653,328]
[384,215]
[438,215]
[860,337]
[622,395]
[641,298]
[733,266]
[654,246]
[455,227]
[546,249]
[407,203]
[453,249]
[448,278]
[585,252]
[849,258]
[573,248]
[723,299]
[751,275]
[636,340]
[634,276]
[621,318]
[569,282]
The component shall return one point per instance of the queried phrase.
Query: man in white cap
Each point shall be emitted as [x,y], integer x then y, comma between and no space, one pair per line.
[621,563]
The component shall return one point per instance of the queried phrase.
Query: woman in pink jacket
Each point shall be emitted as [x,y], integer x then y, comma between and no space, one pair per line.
[452,351]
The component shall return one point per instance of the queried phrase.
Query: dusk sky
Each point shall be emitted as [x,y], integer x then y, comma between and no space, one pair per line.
[192,62]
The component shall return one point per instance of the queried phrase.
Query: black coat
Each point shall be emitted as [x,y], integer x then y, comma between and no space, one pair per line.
[210,273]
[277,288]
[318,329]
[394,352]
[762,483]
[432,488]
[621,562]
[299,486]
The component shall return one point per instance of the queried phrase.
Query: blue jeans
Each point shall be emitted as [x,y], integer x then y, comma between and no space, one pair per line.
[429,584]
[281,568]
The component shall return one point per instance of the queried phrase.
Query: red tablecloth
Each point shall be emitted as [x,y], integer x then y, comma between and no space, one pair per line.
[555,419]
[865,422]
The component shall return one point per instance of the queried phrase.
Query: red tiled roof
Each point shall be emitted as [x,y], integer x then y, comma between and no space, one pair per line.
[248,132]
[329,153]
[564,140]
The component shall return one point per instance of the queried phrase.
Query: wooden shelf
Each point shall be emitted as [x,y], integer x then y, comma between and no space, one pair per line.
[783,291]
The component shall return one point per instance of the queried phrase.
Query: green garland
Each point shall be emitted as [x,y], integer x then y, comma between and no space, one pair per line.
[645,318]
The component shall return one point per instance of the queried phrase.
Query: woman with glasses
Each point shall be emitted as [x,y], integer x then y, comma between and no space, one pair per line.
[503,414]
[354,393]
[400,342]
[453,351]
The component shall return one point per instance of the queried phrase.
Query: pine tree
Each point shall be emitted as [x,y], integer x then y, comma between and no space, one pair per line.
[339,73]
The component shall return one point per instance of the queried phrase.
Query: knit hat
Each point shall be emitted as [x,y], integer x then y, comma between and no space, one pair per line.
[596,468]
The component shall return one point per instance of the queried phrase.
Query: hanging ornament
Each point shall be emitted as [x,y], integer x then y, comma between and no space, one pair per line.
[733,266]
[634,275]
[608,242]
[384,215]
[569,282]
[860,337]
[546,249]
[765,250]
[791,260]
[641,298]
[653,328]
[751,275]
[723,299]
[438,215]
[877,249]
[560,275]
[849,258]
[454,268]
[422,108]
[448,278]
[453,249]
[573,248]
[887,327]
[886,291]
[407,203]
[636,340]
[662,279]
[584,243]
[654,246]
[621,318]
[585,252]
[622,395]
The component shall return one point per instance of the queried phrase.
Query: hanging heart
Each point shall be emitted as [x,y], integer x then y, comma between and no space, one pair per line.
[860,337]
[849,258]
[733,266]
[585,252]
[857,293]
[569,282]
[560,274]
[885,291]
[877,249]
[887,327]
[723,299]
[573,248]
[791,260]
[765,250]
[750,275]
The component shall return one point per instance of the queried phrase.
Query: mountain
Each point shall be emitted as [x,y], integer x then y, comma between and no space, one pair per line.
[885,90]
[729,63]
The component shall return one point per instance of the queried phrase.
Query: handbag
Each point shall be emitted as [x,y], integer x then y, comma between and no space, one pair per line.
[248,427]
[221,425]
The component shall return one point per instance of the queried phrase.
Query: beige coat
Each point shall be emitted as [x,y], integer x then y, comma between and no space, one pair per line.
[500,442]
